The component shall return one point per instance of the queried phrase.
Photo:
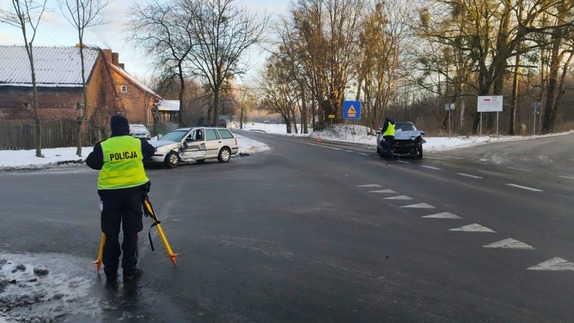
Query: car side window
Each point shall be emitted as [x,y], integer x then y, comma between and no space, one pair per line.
[210,134]
[198,135]
[225,134]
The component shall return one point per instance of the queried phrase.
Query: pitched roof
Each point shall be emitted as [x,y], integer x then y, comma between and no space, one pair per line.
[54,66]
[134,81]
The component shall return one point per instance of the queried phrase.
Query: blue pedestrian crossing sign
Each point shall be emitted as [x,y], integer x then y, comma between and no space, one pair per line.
[352,110]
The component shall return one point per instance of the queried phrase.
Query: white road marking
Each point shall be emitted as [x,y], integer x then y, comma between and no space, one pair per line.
[399,197]
[473,228]
[419,206]
[369,185]
[387,191]
[525,187]
[469,175]
[403,161]
[509,244]
[349,151]
[324,146]
[442,215]
[520,169]
[554,264]
[567,177]
[431,167]
[364,154]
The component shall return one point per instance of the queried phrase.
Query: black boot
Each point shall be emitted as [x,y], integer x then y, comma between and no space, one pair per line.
[132,274]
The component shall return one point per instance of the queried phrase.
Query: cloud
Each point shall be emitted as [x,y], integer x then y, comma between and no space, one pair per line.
[9,39]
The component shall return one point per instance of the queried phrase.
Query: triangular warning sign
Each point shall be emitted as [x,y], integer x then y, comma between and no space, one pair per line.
[352,112]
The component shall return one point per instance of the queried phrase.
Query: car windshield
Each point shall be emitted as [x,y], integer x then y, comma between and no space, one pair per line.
[138,128]
[405,126]
[174,136]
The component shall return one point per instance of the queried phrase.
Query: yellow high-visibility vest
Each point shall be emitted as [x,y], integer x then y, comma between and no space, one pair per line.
[123,163]
[390,130]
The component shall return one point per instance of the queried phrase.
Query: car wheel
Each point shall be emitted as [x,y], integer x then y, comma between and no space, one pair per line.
[171,160]
[224,155]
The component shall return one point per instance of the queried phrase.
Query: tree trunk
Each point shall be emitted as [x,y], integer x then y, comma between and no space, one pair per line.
[549,107]
[514,98]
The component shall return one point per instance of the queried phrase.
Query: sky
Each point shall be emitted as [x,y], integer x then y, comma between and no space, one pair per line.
[55,30]
[26,159]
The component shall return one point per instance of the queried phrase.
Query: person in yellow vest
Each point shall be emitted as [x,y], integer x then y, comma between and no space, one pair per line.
[388,132]
[121,183]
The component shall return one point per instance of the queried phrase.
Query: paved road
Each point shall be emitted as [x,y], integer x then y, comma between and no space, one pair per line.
[310,231]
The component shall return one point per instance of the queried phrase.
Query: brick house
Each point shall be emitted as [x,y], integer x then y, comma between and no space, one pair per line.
[110,89]
[135,97]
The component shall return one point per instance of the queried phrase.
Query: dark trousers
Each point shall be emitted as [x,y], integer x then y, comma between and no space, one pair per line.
[121,207]
[388,147]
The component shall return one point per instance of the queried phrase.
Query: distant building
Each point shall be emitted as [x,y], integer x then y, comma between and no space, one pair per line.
[110,89]
[168,111]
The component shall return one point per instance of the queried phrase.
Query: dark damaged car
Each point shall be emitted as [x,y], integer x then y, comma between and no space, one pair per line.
[408,141]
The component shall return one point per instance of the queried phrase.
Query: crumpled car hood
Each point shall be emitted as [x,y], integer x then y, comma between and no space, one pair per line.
[161,143]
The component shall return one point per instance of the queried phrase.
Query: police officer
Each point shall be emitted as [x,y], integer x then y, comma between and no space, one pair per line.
[388,132]
[121,182]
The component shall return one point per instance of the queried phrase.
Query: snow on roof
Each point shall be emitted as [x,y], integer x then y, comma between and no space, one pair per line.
[133,80]
[54,66]
[168,105]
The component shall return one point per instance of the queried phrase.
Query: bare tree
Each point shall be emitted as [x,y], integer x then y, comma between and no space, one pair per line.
[165,31]
[28,13]
[329,30]
[382,46]
[223,33]
[491,33]
[290,56]
[82,14]
[280,91]
[556,36]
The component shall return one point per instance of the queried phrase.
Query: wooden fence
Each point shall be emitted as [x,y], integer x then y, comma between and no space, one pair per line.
[21,134]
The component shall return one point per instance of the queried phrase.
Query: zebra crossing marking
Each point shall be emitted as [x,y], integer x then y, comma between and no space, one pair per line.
[509,244]
[475,227]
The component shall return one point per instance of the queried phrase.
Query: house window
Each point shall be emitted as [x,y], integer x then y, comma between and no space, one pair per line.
[124,89]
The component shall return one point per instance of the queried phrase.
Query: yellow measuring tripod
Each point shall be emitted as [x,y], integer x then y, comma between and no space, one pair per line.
[148,211]
[98,262]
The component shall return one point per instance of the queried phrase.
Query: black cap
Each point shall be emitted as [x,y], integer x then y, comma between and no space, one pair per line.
[120,126]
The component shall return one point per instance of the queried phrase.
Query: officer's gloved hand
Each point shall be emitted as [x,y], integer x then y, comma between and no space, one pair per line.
[146,187]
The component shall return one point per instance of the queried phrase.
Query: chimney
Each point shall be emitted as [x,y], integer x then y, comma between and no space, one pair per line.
[116,59]
[108,55]
[122,66]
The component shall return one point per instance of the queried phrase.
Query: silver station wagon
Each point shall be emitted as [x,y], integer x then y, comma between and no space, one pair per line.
[194,144]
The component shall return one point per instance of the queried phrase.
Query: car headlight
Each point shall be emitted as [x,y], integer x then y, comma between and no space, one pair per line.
[162,149]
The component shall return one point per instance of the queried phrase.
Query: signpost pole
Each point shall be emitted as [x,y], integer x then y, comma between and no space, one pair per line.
[480,126]
[497,114]
[534,127]
[448,123]
[535,109]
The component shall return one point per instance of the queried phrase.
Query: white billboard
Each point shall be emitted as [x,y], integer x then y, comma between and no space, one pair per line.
[489,103]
